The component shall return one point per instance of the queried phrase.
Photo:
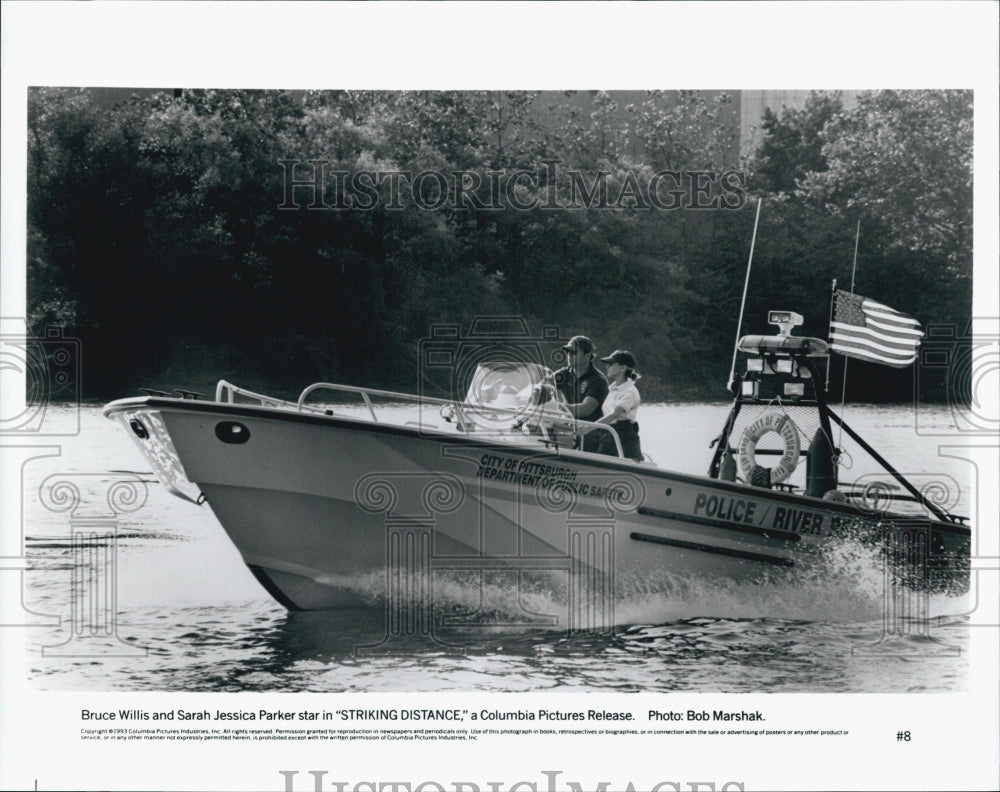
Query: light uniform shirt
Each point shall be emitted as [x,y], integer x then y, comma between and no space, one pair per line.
[625,395]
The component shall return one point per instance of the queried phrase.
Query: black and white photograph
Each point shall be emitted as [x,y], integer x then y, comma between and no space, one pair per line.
[473,422]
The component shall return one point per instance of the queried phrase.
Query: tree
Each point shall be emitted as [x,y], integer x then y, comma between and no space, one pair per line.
[161,231]
[792,145]
[904,159]
[897,164]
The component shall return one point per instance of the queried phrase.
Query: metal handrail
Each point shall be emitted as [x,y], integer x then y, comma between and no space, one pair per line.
[366,393]
[226,392]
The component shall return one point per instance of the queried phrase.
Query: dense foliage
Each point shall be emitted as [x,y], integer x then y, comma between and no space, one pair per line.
[182,238]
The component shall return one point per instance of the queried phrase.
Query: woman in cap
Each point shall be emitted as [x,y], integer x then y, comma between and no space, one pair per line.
[621,405]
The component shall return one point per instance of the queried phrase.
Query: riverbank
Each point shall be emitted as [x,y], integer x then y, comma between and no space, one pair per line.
[289,383]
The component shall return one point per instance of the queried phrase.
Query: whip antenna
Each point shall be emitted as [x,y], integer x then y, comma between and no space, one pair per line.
[743,302]
[829,329]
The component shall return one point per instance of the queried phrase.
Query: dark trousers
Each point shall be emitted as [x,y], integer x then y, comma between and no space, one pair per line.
[628,433]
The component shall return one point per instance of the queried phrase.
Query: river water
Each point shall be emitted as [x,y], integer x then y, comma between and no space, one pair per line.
[187,615]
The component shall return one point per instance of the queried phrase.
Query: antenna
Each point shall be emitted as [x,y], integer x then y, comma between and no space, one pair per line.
[829,325]
[743,302]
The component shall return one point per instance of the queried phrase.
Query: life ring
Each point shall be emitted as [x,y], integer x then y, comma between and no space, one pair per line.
[772,422]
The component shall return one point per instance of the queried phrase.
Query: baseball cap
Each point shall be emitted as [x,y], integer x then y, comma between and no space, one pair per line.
[580,344]
[621,357]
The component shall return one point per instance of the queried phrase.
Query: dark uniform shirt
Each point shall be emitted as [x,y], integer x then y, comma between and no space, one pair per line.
[575,389]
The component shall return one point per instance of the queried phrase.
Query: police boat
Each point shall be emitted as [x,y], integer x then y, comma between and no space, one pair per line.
[354,497]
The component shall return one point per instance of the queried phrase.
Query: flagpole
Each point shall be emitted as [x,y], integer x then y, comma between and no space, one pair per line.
[843,389]
[743,302]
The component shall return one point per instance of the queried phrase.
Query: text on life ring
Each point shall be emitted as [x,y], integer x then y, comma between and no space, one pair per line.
[782,425]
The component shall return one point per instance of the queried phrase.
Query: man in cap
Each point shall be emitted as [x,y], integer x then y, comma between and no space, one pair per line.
[583,386]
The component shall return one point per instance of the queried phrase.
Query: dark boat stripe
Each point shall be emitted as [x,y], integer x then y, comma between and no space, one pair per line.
[265,580]
[770,533]
[704,548]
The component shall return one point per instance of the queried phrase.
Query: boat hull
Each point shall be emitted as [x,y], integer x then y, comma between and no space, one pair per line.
[336,512]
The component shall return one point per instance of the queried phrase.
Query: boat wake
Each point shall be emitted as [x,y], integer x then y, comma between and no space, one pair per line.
[849,583]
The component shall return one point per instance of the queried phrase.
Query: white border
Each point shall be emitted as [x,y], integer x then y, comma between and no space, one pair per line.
[787,45]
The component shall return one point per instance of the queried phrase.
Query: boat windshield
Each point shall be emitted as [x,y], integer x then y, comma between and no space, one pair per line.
[512,392]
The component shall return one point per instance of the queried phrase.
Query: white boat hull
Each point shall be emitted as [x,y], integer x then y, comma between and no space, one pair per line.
[333,512]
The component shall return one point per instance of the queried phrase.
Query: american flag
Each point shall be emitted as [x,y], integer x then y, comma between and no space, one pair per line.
[865,329]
